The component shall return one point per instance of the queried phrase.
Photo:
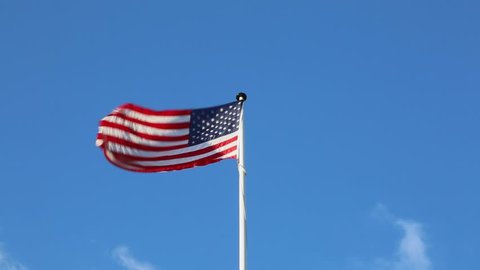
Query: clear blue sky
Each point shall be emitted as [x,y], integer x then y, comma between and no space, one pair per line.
[362,134]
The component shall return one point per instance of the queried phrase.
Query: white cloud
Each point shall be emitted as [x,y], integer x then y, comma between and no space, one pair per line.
[123,256]
[7,263]
[411,253]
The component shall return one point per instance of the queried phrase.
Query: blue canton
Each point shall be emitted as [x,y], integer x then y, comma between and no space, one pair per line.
[210,123]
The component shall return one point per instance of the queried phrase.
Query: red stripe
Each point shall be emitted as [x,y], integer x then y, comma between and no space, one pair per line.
[143,110]
[182,155]
[143,135]
[201,162]
[150,124]
[107,138]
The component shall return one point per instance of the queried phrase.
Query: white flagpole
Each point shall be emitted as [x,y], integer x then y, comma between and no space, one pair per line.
[242,212]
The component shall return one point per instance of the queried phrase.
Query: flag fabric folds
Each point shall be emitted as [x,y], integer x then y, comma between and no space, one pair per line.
[144,140]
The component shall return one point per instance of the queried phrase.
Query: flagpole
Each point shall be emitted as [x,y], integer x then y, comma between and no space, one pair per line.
[242,212]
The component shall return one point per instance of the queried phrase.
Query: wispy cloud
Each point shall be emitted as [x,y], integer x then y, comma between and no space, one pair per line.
[123,256]
[7,263]
[411,253]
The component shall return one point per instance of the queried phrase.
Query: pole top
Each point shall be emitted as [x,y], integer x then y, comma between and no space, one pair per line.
[241,96]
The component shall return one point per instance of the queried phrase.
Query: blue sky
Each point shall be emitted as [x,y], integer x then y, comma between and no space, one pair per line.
[362,136]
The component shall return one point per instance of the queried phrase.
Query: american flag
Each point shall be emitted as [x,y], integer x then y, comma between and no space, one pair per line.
[144,140]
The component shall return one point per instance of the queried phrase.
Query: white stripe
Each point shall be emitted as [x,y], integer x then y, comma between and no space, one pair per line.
[119,148]
[186,159]
[154,118]
[121,134]
[146,129]
[229,155]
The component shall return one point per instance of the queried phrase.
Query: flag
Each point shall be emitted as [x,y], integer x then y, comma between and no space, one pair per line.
[144,140]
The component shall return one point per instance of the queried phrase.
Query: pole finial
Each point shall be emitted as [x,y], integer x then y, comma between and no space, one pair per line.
[241,96]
